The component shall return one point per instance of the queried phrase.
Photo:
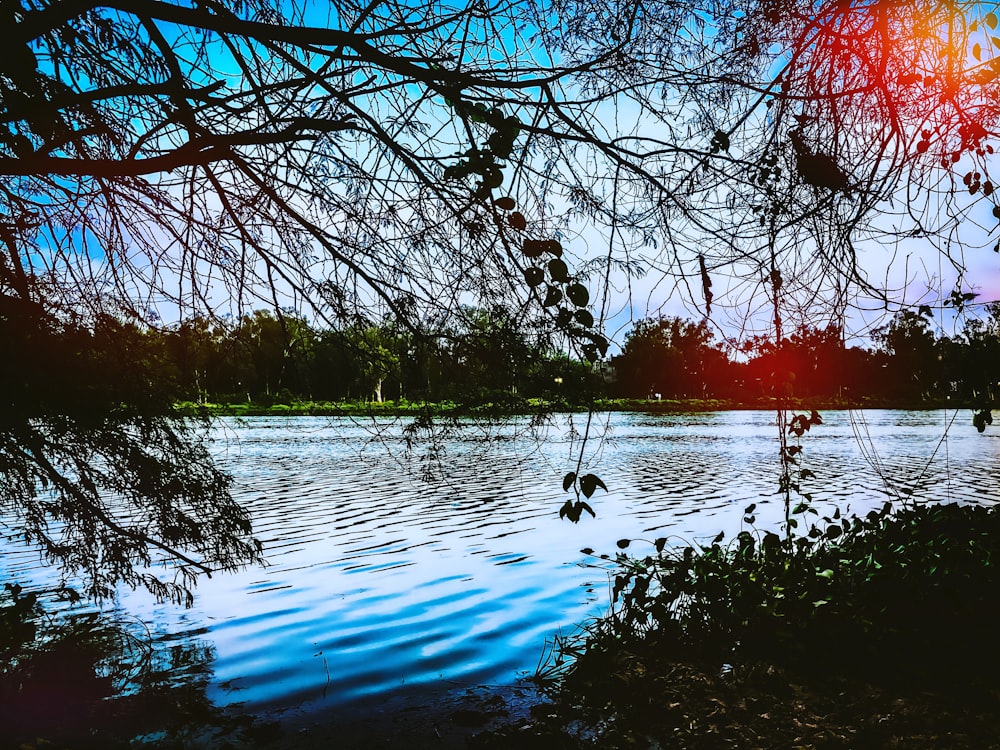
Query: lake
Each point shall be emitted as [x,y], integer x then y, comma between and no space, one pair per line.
[398,565]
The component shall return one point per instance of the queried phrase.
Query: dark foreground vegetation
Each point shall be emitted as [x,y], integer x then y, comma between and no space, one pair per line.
[874,631]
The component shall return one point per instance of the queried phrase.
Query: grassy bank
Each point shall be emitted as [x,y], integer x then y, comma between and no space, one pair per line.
[299,408]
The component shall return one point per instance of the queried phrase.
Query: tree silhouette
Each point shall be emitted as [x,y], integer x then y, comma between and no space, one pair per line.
[391,161]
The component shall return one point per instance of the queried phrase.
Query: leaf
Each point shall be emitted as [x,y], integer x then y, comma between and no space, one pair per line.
[552,297]
[584,318]
[660,543]
[534,276]
[991,20]
[996,41]
[719,537]
[568,480]
[587,551]
[506,203]
[517,221]
[977,51]
[589,483]
[558,270]
[578,294]
[533,248]
[583,506]
[623,543]
[750,509]
[552,247]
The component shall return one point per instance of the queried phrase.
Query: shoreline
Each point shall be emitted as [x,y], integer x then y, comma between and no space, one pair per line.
[534,407]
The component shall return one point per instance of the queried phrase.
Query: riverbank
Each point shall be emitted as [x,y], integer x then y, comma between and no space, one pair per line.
[876,633]
[404,408]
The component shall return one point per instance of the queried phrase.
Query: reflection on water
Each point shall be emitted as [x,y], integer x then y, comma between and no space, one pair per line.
[378,579]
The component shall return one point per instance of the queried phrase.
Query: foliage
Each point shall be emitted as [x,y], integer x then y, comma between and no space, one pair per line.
[671,358]
[98,473]
[903,595]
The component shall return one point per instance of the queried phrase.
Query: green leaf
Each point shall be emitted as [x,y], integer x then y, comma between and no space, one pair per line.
[568,480]
[533,248]
[552,297]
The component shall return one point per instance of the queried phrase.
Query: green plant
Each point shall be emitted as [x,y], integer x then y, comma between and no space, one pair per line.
[897,595]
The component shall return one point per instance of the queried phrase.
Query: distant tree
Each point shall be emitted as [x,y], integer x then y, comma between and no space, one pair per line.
[913,368]
[669,356]
[491,356]
[975,360]
[812,361]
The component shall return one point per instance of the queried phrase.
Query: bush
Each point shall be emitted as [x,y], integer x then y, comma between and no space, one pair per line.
[903,595]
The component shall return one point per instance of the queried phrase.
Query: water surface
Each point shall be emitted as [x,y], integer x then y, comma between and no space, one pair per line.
[396,563]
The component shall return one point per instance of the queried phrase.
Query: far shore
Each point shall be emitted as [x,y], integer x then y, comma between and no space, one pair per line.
[404,408]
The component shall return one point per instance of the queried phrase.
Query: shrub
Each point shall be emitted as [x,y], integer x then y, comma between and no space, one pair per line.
[898,595]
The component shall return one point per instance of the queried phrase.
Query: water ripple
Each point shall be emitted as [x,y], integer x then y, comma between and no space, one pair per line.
[377,578]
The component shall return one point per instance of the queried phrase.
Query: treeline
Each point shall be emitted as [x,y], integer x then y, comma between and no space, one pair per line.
[908,364]
[266,358]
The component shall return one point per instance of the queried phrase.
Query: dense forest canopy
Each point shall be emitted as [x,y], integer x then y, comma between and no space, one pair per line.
[766,160]
[263,359]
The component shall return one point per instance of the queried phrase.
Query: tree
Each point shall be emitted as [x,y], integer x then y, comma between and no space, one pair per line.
[104,480]
[914,365]
[387,160]
[671,357]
